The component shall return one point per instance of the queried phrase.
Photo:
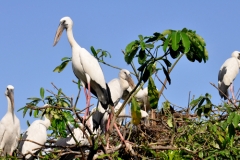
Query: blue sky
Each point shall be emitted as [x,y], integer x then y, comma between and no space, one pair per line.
[28,28]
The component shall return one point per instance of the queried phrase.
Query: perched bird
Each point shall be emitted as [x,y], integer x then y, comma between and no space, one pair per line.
[227,74]
[36,132]
[69,140]
[117,87]
[80,138]
[85,67]
[142,96]
[104,119]
[9,126]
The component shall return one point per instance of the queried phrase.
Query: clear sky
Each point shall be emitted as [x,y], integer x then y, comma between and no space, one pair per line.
[27,30]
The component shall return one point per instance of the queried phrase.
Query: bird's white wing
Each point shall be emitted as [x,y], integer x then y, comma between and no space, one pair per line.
[2,131]
[115,89]
[228,71]
[18,130]
[92,67]
[37,133]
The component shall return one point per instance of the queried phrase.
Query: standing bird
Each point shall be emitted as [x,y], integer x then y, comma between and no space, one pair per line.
[85,67]
[227,74]
[117,86]
[36,132]
[9,126]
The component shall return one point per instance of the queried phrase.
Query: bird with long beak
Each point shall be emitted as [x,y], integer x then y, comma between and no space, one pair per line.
[9,125]
[85,67]
[117,86]
[227,74]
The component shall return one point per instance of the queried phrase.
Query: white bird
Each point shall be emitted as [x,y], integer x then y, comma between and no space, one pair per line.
[227,74]
[142,96]
[85,67]
[103,118]
[9,126]
[36,132]
[69,140]
[117,87]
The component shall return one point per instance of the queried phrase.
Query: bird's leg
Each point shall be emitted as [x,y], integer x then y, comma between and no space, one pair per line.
[231,88]
[110,117]
[108,122]
[88,97]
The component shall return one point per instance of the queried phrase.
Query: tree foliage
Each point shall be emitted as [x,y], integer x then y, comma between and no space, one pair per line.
[200,131]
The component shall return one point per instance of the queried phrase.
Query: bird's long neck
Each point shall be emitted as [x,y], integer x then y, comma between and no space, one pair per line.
[124,84]
[46,122]
[70,37]
[10,108]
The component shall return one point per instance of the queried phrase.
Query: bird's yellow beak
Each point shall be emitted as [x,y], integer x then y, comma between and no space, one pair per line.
[130,82]
[58,34]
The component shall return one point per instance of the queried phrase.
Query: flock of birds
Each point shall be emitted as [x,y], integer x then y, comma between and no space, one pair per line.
[87,69]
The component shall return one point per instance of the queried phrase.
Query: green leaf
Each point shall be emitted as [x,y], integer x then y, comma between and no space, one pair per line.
[149,70]
[231,130]
[200,154]
[42,92]
[168,64]
[21,109]
[153,94]
[65,58]
[28,124]
[150,46]
[174,54]
[185,42]
[235,120]
[61,67]
[59,92]
[165,45]
[201,102]
[230,117]
[146,75]
[168,31]
[166,74]
[140,37]
[199,112]
[170,122]
[131,51]
[93,51]
[34,99]
[143,45]
[142,56]
[195,102]
[135,112]
[175,40]
[35,113]
[30,112]
[25,111]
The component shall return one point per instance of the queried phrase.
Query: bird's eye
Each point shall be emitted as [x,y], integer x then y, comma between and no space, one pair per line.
[64,21]
[7,89]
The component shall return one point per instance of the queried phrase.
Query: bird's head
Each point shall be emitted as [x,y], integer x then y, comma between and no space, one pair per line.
[236,54]
[65,23]
[10,94]
[126,75]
